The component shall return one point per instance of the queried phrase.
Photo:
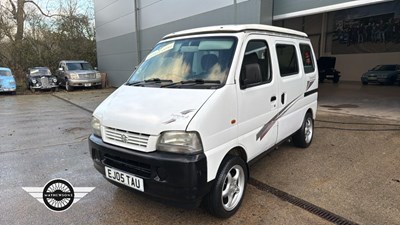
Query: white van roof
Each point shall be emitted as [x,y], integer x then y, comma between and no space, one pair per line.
[237,28]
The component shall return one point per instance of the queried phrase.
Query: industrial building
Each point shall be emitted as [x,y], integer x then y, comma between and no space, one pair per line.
[359,33]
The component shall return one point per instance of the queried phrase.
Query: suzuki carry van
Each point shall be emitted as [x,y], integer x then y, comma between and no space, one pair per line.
[202,106]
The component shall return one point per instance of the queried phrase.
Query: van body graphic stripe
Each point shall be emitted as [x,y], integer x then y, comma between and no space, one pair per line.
[310,83]
[310,92]
[267,127]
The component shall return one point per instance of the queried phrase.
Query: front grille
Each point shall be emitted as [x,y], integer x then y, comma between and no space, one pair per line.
[130,166]
[127,137]
[87,76]
[44,81]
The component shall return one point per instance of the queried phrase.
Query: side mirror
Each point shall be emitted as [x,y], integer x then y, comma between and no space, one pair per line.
[250,75]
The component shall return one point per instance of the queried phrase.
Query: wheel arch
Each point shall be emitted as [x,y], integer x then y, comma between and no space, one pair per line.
[239,152]
[310,110]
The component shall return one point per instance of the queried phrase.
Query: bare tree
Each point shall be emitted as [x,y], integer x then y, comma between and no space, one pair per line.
[33,36]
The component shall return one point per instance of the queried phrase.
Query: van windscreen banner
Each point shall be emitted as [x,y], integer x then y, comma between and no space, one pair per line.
[368,29]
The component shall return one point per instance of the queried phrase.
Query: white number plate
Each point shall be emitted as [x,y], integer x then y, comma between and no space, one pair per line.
[124,178]
[88,84]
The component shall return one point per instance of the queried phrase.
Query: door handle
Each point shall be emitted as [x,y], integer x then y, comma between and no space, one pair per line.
[273,98]
[283,98]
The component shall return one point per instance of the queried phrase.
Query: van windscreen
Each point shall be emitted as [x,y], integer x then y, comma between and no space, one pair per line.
[187,63]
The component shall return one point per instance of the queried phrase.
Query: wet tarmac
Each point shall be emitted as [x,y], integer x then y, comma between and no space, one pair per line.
[350,169]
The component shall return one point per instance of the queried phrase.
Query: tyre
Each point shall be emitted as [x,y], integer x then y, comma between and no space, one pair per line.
[364,82]
[68,87]
[33,90]
[335,79]
[227,193]
[303,137]
[392,80]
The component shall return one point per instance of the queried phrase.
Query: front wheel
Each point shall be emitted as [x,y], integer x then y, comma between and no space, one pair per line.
[303,137]
[227,193]
[68,87]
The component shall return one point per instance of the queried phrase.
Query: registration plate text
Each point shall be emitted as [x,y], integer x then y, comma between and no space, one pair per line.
[124,178]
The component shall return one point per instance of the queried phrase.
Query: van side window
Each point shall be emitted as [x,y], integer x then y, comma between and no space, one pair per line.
[256,66]
[306,56]
[287,59]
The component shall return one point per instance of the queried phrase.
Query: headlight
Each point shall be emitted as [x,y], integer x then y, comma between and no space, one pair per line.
[98,75]
[34,81]
[179,142]
[55,80]
[96,126]
[74,76]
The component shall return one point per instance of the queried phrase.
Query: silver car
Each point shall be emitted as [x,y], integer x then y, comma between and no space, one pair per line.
[382,74]
[77,73]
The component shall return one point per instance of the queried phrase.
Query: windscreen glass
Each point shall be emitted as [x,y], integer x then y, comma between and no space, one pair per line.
[204,60]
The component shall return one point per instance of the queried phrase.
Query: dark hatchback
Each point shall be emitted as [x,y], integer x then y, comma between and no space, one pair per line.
[382,74]
[40,78]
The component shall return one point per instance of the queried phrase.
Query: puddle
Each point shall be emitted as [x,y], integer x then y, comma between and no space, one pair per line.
[74,129]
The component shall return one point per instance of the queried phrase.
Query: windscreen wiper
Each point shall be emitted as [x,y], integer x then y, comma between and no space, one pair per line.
[196,81]
[153,80]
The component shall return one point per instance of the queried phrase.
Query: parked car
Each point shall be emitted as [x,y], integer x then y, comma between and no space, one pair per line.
[40,78]
[326,69]
[77,73]
[382,74]
[202,106]
[7,81]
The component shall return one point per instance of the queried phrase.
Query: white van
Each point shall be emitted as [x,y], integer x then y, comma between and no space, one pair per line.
[202,106]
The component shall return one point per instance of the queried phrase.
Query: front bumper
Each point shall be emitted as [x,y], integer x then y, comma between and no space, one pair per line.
[85,83]
[8,89]
[370,79]
[40,87]
[172,178]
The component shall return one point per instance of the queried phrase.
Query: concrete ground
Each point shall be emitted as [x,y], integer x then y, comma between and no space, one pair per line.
[351,168]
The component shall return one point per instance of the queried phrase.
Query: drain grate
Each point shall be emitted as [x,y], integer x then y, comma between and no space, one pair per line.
[323,213]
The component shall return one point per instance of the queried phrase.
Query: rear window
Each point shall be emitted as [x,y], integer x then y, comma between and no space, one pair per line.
[307,58]
[287,59]
[385,68]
